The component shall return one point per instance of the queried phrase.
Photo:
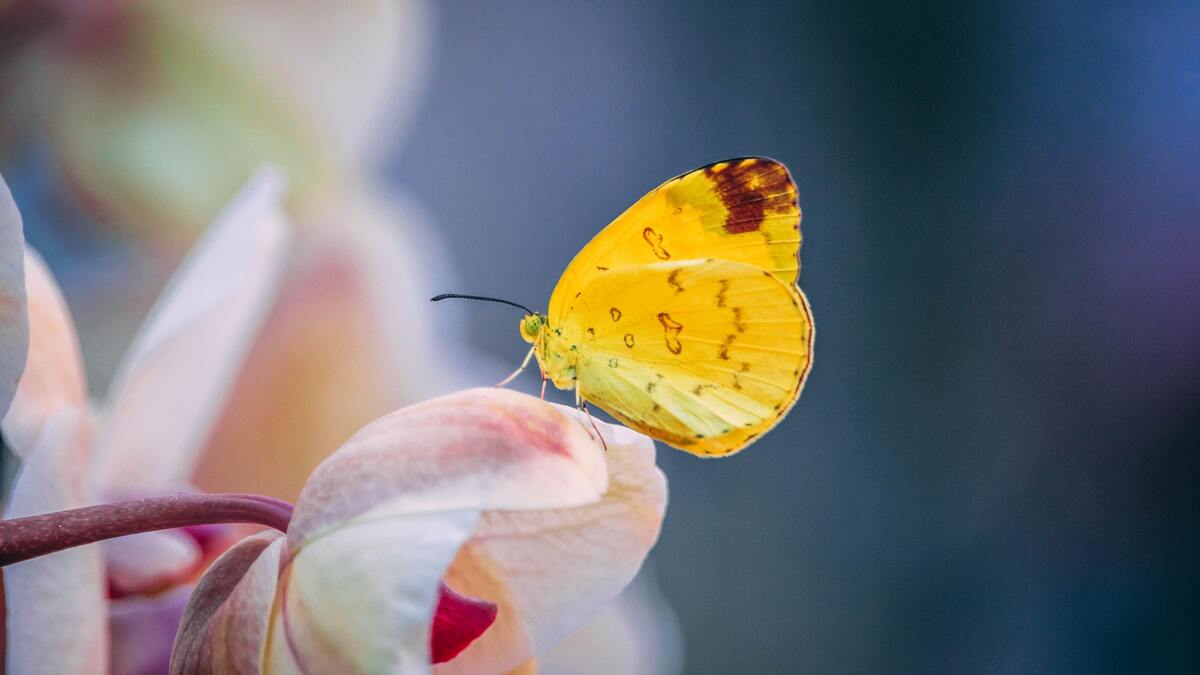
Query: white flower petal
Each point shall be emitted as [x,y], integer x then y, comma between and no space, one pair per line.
[360,599]
[57,621]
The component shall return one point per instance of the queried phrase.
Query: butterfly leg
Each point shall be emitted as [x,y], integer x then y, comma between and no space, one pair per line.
[582,405]
[544,381]
[520,370]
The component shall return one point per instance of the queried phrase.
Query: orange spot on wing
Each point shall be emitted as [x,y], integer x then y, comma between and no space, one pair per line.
[671,330]
[655,240]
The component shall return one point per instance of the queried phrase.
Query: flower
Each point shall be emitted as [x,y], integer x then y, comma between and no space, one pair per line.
[14,325]
[537,493]
[498,495]
[143,440]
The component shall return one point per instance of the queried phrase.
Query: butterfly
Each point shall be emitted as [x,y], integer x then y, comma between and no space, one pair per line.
[682,318]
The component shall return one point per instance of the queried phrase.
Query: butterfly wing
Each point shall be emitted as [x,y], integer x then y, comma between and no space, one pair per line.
[743,210]
[705,355]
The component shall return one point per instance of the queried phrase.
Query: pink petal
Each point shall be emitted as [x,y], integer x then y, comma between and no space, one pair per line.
[225,625]
[351,337]
[14,325]
[550,571]
[54,372]
[457,622]
[57,621]
[176,375]
[477,449]
[321,368]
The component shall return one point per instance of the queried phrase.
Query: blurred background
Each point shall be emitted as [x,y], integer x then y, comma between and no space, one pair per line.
[993,466]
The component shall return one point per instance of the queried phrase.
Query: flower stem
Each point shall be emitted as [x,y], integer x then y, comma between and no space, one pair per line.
[33,536]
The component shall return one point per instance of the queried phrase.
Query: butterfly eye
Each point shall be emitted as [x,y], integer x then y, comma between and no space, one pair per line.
[532,325]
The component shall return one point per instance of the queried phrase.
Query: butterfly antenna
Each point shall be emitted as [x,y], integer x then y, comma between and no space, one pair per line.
[484,298]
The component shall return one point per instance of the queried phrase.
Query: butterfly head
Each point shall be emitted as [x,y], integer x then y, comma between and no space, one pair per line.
[532,326]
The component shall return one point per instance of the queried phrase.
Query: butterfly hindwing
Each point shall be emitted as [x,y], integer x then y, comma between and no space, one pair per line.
[743,210]
[703,354]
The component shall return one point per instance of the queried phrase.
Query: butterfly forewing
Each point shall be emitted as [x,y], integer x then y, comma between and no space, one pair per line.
[703,354]
[743,210]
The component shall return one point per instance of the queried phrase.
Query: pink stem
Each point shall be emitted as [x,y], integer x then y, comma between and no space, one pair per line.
[33,536]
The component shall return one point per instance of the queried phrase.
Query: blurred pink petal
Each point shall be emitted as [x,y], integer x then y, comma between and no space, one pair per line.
[176,374]
[14,324]
[550,571]
[478,449]
[142,630]
[53,376]
[350,339]
[55,605]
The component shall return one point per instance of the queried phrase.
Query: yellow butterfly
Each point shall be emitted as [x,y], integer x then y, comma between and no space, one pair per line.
[681,318]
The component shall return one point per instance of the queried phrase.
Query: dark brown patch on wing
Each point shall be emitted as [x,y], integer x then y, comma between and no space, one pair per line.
[629,340]
[671,330]
[614,313]
[724,288]
[752,189]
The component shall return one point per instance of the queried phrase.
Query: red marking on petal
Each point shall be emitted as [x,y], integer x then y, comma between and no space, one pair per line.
[457,622]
